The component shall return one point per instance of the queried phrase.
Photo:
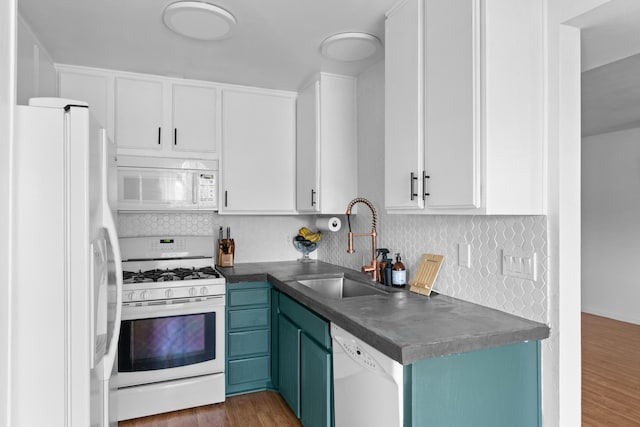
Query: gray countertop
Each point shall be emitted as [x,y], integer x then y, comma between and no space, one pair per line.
[403,325]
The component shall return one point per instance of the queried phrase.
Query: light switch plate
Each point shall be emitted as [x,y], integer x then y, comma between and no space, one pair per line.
[520,264]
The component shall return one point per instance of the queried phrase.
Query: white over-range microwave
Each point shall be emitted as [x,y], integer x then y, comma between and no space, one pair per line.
[164,184]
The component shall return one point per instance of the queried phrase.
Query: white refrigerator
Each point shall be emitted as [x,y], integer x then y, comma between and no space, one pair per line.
[67,299]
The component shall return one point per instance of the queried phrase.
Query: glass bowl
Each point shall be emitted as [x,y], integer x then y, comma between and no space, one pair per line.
[305,247]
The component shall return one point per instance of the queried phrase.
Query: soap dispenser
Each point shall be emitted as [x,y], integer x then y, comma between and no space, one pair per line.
[398,273]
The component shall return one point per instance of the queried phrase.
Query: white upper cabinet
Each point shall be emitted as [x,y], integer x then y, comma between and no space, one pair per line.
[326,145]
[91,88]
[258,152]
[464,107]
[164,117]
[148,115]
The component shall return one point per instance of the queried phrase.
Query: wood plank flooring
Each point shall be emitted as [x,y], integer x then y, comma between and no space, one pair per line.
[610,388]
[610,372]
[261,409]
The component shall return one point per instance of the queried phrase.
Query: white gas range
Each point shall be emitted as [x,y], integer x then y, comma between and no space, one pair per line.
[172,344]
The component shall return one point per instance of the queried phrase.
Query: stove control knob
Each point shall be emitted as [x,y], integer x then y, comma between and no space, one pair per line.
[144,295]
[204,290]
[168,293]
[193,292]
[131,296]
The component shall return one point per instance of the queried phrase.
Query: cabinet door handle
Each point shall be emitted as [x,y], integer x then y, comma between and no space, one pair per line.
[313,199]
[413,179]
[425,177]
[159,135]
[175,136]
[225,198]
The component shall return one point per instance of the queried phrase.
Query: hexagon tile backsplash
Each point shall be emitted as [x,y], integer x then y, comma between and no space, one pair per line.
[483,282]
[257,238]
[268,238]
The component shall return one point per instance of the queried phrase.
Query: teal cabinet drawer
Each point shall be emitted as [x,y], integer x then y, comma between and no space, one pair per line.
[248,370]
[313,325]
[245,319]
[247,343]
[247,297]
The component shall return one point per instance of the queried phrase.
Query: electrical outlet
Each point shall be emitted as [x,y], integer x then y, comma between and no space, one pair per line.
[288,239]
[520,264]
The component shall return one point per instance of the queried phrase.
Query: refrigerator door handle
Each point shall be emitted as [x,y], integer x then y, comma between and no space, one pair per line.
[109,358]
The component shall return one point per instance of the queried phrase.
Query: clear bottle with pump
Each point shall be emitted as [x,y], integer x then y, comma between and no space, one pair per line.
[398,273]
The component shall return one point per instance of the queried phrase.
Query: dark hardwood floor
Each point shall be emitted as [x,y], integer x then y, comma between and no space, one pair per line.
[610,372]
[261,409]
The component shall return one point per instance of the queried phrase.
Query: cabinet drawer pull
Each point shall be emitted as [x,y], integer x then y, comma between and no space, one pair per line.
[313,199]
[413,179]
[159,135]
[225,198]
[175,136]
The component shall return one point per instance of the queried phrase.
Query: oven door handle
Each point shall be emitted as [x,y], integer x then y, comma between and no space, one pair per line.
[213,303]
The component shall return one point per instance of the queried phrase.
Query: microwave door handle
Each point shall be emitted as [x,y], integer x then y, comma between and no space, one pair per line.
[110,356]
[196,184]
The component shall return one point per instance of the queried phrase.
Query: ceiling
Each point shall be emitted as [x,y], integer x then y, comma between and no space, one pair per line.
[276,43]
[611,67]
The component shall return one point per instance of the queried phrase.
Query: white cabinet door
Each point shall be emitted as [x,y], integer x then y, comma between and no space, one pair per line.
[138,114]
[308,148]
[452,104]
[404,141]
[327,145]
[90,88]
[194,119]
[258,152]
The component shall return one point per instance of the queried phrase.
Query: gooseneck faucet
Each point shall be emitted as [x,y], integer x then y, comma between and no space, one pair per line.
[373,267]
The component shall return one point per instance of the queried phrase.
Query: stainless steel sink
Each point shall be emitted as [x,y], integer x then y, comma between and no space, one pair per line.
[340,287]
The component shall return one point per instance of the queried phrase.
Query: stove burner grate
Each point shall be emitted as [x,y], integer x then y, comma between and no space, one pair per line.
[159,275]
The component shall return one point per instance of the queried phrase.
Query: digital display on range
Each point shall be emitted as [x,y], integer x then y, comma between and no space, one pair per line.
[166,240]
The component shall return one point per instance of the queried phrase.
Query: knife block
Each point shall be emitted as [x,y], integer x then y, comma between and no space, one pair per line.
[226,250]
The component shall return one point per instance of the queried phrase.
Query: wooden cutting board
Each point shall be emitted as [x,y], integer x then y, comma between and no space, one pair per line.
[427,274]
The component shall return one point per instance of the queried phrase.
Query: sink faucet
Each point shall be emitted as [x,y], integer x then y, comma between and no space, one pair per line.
[373,267]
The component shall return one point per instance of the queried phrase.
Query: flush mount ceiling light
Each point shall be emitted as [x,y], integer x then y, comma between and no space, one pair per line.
[198,20]
[350,46]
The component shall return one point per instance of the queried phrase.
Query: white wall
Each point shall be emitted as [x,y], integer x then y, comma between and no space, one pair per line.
[611,225]
[7,101]
[36,75]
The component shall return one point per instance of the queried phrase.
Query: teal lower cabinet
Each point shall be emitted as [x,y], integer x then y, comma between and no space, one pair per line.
[248,343]
[304,369]
[274,342]
[496,387]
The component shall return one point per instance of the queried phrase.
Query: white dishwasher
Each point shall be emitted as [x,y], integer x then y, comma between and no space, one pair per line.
[367,385]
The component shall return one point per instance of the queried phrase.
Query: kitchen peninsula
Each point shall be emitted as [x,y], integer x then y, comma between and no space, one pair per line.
[461,361]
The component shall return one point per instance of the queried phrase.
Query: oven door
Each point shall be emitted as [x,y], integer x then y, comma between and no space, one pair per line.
[170,340]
